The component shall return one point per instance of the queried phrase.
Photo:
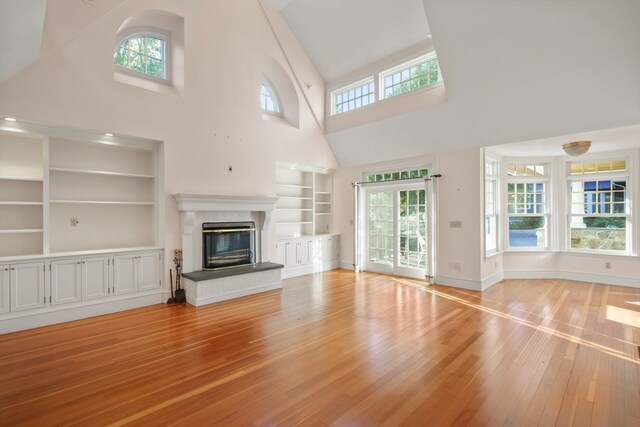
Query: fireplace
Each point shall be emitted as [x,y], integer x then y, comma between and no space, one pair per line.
[228,244]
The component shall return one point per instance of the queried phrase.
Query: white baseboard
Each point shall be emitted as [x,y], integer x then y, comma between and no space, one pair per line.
[346,265]
[492,280]
[472,285]
[19,321]
[579,276]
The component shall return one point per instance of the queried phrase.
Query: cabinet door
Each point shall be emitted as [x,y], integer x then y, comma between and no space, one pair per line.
[334,247]
[291,253]
[66,281]
[4,289]
[124,274]
[148,266]
[306,251]
[95,278]
[27,286]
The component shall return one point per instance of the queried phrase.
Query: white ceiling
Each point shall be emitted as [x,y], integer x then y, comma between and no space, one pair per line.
[515,71]
[21,21]
[341,36]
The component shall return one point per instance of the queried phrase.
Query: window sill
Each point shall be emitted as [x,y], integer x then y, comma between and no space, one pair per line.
[572,253]
[123,75]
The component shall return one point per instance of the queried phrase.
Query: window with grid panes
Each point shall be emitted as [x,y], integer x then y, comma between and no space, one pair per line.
[599,214]
[527,206]
[143,53]
[397,175]
[410,76]
[491,206]
[353,96]
[269,100]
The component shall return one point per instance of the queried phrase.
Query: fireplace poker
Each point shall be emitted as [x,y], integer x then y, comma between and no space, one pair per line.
[172,299]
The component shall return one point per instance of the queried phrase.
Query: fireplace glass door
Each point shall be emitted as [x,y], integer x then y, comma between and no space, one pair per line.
[227,244]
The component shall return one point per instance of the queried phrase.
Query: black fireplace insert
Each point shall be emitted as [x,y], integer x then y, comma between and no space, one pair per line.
[228,244]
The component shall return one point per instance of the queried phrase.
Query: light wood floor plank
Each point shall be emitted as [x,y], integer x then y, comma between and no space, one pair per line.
[340,349]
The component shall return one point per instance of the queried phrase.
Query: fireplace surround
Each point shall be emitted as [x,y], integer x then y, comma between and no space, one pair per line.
[205,287]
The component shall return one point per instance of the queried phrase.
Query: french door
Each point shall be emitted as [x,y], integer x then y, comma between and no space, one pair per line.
[396,230]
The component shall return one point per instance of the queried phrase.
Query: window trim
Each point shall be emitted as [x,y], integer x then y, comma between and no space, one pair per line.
[630,177]
[367,80]
[153,32]
[549,214]
[493,180]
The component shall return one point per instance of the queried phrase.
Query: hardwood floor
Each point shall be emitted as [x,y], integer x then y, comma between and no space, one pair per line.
[340,349]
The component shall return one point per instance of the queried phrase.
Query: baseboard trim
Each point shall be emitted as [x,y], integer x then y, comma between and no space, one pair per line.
[20,321]
[492,280]
[578,276]
[472,285]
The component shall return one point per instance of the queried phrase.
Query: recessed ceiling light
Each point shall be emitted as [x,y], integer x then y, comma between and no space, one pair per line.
[10,119]
[108,134]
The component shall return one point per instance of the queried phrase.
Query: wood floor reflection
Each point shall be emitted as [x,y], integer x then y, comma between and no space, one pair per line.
[340,349]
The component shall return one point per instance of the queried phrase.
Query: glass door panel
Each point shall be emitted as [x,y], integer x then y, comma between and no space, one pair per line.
[412,231]
[381,229]
[397,231]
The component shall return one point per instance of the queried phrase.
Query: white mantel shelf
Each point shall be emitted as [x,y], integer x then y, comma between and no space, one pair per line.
[212,203]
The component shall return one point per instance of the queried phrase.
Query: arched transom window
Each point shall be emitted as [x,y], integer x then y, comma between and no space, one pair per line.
[269,99]
[144,53]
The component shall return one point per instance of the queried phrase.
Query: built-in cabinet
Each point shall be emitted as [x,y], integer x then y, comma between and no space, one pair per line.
[45,286]
[80,223]
[303,220]
[136,272]
[79,279]
[25,283]
[308,254]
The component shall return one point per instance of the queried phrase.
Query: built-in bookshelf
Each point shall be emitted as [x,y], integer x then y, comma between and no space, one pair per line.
[304,201]
[21,194]
[64,191]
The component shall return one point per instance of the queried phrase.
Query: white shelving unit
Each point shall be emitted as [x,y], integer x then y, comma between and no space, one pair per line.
[21,194]
[73,205]
[303,220]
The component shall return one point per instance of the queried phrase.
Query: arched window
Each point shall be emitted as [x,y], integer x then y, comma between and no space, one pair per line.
[144,53]
[269,99]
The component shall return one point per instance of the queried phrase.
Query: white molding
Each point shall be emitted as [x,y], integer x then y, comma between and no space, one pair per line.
[67,312]
[472,285]
[195,209]
[212,203]
[488,282]
[346,265]
[579,276]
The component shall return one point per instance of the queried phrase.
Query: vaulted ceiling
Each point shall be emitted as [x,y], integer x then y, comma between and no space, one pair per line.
[513,70]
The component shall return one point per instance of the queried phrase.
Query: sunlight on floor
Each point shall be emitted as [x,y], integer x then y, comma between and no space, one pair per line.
[551,331]
[623,315]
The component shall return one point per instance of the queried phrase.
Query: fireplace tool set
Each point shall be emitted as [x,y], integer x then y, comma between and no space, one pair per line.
[179,295]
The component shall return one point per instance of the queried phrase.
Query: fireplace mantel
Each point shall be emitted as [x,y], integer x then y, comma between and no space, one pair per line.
[206,203]
[198,208]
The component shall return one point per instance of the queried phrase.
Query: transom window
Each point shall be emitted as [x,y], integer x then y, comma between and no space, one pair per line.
[396,175]
[410,76]
[599,206]
[143,53]
[527,206]
[354,96]
[269,101]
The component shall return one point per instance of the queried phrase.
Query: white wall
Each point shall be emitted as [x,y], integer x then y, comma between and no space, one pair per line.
[214,123]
